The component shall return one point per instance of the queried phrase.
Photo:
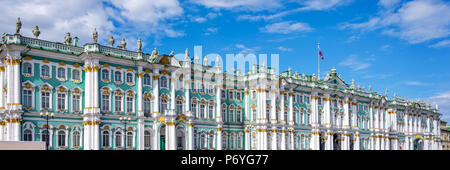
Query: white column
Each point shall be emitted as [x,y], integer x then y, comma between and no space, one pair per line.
[2,93]
[190,136]
[346,124]
[247,139]
[187,104]
[327,122]
[219,117]
[172,94]
[315,123]
[291,109]
[156,112]
[140,121]
[274,138]
[283,139]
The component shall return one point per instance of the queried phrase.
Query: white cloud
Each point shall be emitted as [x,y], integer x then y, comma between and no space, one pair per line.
[306,5]
[385,47]
[80,17]
[416,83]
[286,27]
[251,5]
[284,49]
[441,44]
[210,31]
[246,50]
[148,11]
[388,3]
[355,63]
[443,102]
[415,21]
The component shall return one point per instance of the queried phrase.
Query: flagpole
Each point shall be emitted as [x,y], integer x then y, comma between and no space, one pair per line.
[318,61]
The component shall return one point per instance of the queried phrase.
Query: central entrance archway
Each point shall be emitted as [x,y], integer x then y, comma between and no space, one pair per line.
[181,139]
[418,144]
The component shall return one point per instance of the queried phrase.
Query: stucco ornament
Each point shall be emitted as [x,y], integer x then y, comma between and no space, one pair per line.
[111,41]
[139,43]
[18,25]
[123,43]
[95,36]
[36,32]
[67,38]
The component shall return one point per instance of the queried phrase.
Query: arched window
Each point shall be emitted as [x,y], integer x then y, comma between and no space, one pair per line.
[224,113]
[76,75]
[61,138]
[203,141]
[118,76]
[105,138]
[179,106]
[230,95]
[233,141]
[129,139]
[129,77]
[224,141]
[76,139]
[45,71]
[147,106]
[45,135]
[118,140]
[239,141]
[28,135]
[195,141]
[211,141]
[147,80]
[27,68]
[164,106]
[254,114]
[61,73]
[147,140]
[105,74]
[163,82]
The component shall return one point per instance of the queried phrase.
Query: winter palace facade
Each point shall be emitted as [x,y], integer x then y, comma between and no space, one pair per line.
[109,98]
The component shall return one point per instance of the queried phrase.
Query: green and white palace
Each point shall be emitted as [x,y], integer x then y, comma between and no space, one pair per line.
[110,98]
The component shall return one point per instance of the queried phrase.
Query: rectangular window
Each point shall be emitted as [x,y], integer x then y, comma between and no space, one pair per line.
[45,103]
[27,98]
[118,103]
[105,102]
[61,101]
[211,111]
[129,104]
[76,103]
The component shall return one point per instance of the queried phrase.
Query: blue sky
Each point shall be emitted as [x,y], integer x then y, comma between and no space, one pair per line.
[396,44]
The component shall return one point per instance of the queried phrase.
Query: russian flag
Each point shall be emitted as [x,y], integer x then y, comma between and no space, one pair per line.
[320,54]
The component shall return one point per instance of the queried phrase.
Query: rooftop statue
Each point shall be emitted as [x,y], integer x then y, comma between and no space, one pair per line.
[67,39]
[386,92]
[154,54]
[18,25]
[36,32]
[123,43]
[95,36]
[111,41]
[171,54]
[186,55]
[139,44]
